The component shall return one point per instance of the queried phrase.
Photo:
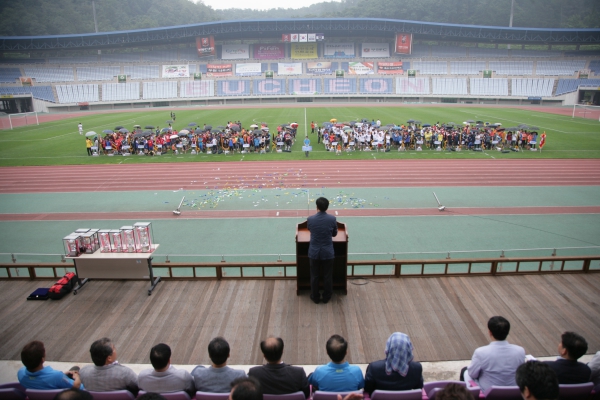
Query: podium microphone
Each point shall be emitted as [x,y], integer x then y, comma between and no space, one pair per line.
[441,207]
[178,212]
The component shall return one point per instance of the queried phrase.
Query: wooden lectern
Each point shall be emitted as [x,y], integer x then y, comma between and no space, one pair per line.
[340,264]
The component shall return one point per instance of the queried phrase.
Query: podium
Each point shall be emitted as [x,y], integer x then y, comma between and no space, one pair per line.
[340,263]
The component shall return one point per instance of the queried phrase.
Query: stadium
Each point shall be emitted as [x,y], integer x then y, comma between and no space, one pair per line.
[438,241]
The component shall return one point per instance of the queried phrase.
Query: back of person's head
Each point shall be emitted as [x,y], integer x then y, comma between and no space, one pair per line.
[246,389]
[151,396]
[575,344]
[454,391]
[499,326]
[539,379]
[322,204]
[272,348]
[337,348]
[160,356]
[32,354]
[100,350]
[218,350]
[73,394]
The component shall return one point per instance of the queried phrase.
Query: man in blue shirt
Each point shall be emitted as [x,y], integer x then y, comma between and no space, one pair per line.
[35,376]
[338,375]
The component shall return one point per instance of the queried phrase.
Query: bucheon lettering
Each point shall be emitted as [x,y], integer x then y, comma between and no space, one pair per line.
[233,87]
[304,86]
[269,87]
[377,86]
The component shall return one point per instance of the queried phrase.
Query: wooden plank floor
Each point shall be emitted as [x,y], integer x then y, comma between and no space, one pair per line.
[445,317]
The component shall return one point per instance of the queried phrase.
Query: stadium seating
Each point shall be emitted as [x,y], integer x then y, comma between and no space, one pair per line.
[142,71]
[512,67]
[9,75]
[160,55]
[413,86]
[50,74]
[466,67]
[121,58]
[449,86]
[431,67]
[595,66]
[571,85]
[73,60]
[120,91]
[38,92]
[522,53]
[77,93]
[160,90]
[559,67]
[532,87]
[188,53]
[483,52]
[97,73]
[489,87]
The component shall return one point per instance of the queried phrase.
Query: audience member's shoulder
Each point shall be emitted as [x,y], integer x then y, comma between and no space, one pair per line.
[416,367]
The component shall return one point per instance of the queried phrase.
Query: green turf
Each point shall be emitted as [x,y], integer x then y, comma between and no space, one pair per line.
[58,143]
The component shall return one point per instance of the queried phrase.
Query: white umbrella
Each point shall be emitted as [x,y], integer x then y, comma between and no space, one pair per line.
[91,133]
[184,131]
[253,126]
[173,136]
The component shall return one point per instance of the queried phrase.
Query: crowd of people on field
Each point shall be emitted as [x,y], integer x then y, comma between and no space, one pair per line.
[496,364]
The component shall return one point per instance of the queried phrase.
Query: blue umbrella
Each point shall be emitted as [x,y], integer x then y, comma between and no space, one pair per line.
[107,131]
[192,124]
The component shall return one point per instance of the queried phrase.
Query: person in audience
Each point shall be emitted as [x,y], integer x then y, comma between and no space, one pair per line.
[164,378]
[107,374]
[568,370]
[246,388]
[594,365]
[397,371]
[74,394]
[218,376]
[338,375]
[454,391]
[151,396]
[537,381]
[35,376]
[496,363]
[277,377]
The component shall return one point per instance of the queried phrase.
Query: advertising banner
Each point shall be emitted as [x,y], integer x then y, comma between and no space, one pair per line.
[205,46]
[339,86]
[360,68]
[285,37]
[375,50]
[235,51]
[176,71]
[319,68]
[269,86]
[301,51]
[312,37]
[219,70]
[303,37]
[197,89]
[294,37]
[339,50]
[390,68]
[250,69]
[233,88]
[403,43]
[374,86]
[289,68]
[269,51]
[305,86]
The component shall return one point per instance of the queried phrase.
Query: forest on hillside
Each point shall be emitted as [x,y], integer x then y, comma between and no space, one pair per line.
[57,17]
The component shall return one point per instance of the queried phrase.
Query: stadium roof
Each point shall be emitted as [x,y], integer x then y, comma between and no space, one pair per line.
[330,27]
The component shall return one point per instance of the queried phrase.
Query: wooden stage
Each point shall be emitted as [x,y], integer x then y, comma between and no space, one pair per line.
[445,317]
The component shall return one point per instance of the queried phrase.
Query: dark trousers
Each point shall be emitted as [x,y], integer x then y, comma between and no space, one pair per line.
[316,268]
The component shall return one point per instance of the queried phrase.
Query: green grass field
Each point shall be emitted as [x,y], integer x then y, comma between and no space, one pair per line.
[58,143]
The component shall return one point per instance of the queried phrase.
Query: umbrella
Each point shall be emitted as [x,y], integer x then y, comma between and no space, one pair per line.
[470,121]
[533,128]
[123,130]
[364,120]
[146,127]
[137,135]
[426,125]
[294,125]
[236,128]
[479,122]
[326,124]
[137,126]
[253,126]
[450,123]
[465,123]
[498,124]
[163,130]
[339,125]
[333,120]
[410,121]
[91,133]
[148,133]
[173,137]
[208,127]
[169,121]
[118,127]
[347,129]
[106,131]
[390,125]
[264,124]
[192,124]
[352,123]
[257,132]
[220,127]
[184,131]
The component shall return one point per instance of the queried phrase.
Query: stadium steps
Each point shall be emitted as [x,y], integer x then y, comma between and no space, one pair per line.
[555,87]
[509,84]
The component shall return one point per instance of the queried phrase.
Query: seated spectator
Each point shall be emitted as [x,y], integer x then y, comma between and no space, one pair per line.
[107,374]
[397,371]
[218,377]
[454,391]
[246,388]
[164,377]
[338,375]
[35,376]
[496,363]
[537,381]
[568,370]
[277,377]
[73,394]
[595,367]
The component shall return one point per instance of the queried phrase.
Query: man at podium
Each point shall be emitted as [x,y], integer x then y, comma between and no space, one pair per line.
[322,227]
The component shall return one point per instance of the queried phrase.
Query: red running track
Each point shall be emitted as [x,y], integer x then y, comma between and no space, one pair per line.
[295,174]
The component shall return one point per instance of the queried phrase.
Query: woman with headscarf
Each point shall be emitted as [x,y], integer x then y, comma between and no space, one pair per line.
[397,371]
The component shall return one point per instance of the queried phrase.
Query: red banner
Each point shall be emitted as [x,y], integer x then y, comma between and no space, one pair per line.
[390,68]
[403,43]
[219,70]
[285,37]
[205,46]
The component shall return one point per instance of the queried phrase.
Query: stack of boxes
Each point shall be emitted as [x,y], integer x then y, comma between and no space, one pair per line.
[128,239]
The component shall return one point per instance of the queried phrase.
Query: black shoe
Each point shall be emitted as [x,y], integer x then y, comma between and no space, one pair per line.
[325,301]
[316,301]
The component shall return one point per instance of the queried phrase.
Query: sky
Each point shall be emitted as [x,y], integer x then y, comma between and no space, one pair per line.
[260,4]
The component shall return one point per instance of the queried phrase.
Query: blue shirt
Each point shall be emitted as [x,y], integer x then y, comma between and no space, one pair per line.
[44,379]
[333,377]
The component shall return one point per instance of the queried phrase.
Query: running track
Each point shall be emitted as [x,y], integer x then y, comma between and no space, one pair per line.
[301,174]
